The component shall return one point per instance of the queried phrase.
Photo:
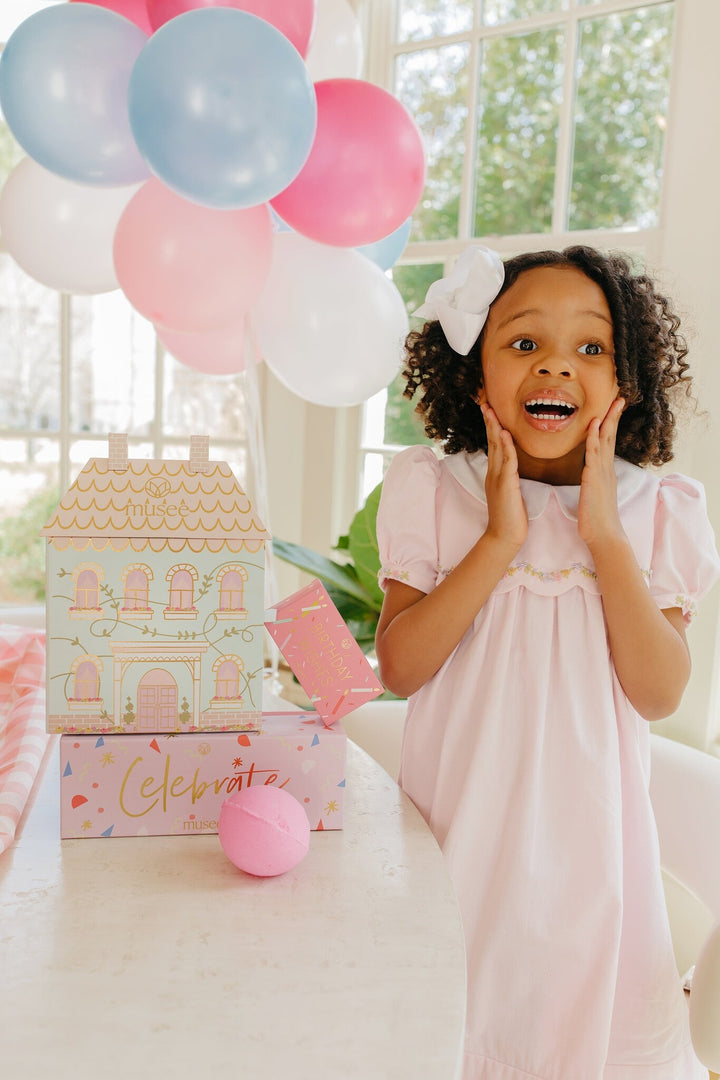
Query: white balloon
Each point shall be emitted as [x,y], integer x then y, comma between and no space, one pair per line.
[336,48]
[330,324]
[61,232]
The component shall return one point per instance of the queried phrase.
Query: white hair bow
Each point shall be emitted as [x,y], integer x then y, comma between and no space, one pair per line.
[461,301]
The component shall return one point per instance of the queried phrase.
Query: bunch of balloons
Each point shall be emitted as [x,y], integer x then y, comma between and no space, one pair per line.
[186,152]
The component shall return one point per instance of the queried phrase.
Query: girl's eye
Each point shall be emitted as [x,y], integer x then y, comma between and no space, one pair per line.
[592,348]
[524,344]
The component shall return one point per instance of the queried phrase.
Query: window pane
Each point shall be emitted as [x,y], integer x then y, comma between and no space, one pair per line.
[402,426]
[620,117]
[374,466]
[422,19]
[433,85]
[413,282]
[29,351]
[500,11]
[518,114]
[197,404]
[113,366]
[30,491]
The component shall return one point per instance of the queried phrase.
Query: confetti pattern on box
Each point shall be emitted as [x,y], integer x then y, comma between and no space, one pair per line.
[135,785]
[324,656]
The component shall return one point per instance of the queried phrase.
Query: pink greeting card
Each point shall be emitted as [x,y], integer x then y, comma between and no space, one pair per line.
[324,656]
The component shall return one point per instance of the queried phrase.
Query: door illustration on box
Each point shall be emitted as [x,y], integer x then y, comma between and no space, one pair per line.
[157,701]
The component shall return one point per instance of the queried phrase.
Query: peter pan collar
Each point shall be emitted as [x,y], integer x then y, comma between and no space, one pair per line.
[470,470]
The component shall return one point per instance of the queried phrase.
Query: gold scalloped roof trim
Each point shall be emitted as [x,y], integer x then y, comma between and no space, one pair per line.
[153,543]
[158,500]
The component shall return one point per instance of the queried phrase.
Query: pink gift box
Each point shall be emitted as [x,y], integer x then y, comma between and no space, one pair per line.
[145,785]
[324,656]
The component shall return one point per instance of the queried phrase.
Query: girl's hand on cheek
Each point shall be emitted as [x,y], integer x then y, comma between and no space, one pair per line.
[598,514]
[507,516]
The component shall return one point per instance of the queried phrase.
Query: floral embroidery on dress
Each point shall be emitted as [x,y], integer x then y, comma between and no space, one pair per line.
[687,606]
[394,573]
[550,575]
[556,575]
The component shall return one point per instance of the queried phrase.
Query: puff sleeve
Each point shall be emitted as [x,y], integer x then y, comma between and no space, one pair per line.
[406,530]
[685,561]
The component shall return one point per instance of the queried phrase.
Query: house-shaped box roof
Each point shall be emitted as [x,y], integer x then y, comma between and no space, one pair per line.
[196,499]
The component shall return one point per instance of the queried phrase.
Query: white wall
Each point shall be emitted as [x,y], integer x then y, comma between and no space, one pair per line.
[689,260]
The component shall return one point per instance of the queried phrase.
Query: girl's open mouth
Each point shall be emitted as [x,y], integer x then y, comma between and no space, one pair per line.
[547,414]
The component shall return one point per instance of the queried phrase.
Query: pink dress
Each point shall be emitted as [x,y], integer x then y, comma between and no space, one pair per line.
[531,767]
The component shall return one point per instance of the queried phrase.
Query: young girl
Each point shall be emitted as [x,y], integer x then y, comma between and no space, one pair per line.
[537,586]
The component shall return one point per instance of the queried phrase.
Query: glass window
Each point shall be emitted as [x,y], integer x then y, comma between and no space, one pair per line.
[418,20]
[521,79]
[433,85]
[29,352]
[540,119]
[112,365]
[502,11]
[623,75]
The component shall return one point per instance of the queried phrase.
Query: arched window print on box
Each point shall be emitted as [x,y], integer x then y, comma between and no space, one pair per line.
[231,591]
[182,590]
[83,685]
[136,580]
[86,591]
[161,564]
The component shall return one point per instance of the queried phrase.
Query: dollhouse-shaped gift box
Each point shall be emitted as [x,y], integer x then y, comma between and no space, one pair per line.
[155,598]
[139,785]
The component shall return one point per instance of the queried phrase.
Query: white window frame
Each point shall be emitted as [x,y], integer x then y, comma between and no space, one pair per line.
[383,53]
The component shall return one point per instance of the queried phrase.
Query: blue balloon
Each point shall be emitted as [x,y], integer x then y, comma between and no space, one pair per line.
[222,108]
[64,74]
[387,251]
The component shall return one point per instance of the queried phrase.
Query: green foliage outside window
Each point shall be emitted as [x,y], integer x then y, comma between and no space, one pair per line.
[22,549]
[517,132]
[620,113]
[620,107]
[402,426]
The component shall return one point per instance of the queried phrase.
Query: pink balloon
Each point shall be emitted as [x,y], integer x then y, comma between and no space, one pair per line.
[187,267]
[365,172]
[134,10]
[293,18]
[216,352]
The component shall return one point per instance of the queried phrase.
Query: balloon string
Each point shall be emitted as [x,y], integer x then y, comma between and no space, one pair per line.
[258,469]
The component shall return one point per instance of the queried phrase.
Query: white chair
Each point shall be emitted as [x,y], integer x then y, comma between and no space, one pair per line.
[685,792]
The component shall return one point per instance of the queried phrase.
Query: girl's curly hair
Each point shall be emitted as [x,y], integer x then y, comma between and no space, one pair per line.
[649,361]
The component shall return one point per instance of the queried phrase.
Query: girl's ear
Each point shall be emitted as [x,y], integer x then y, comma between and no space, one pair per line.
[480,396]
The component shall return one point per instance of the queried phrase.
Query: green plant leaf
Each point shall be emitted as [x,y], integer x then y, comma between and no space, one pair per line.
[340,577]
[363,545]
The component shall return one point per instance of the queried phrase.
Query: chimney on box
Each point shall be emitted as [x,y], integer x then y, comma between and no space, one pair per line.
[118,452]
[200,453]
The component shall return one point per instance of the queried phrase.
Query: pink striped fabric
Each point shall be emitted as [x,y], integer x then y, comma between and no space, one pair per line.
[23,738]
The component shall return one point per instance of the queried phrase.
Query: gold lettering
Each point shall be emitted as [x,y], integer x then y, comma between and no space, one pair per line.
[145,783]
[150,790]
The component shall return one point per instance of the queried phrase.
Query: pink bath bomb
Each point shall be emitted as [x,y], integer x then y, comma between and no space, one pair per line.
[264,830]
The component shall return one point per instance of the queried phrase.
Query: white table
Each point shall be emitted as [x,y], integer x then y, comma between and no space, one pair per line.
[154,957]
